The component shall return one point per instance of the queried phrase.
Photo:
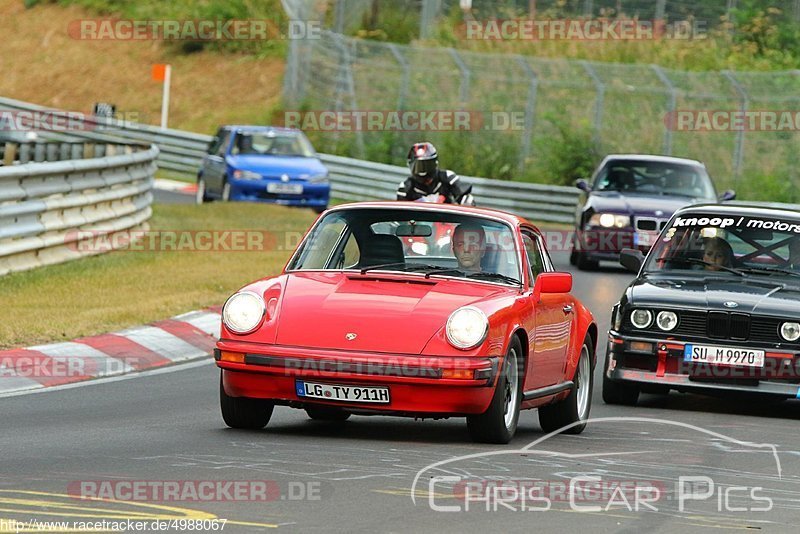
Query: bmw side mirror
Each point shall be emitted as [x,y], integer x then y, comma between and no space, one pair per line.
[631,259]
[730,194]
[583,185]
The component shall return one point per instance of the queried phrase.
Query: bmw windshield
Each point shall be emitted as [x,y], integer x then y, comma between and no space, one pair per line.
[433,243]
[732,244]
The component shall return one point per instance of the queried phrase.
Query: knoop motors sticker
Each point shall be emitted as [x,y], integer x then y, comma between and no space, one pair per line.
[741,222]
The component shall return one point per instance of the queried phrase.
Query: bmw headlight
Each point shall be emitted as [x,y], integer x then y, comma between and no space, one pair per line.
[243,312]
[610,220]
[246,175]
[641,318]
[467,327]
[790,331]
[667,320]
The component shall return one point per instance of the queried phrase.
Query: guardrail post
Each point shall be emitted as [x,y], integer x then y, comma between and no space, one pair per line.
[465,75]
[738,151]
[599,101]
[39,152]
[24,152]
[88,150]
[530,111]
[10,154]
[670,107]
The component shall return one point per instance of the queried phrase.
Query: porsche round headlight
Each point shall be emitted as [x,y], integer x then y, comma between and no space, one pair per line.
[243,312]
[790,331]
[641,318]
[467,327]
[667,320]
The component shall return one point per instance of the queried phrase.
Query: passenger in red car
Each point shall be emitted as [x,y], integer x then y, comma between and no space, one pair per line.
[469,246]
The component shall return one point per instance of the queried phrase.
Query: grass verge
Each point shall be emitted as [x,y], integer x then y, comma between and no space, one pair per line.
[116,290]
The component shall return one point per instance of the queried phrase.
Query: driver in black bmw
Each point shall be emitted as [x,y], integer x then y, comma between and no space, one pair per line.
[427,179]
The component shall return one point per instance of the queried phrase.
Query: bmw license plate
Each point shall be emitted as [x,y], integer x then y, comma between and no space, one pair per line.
[376,395]
[285,189]
[723,355]
[644,239]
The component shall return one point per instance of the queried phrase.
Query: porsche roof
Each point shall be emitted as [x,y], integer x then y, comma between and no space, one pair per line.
[456,208]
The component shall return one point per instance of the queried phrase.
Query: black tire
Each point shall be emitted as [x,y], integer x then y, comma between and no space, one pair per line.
[200,196]
[243,412]
[225,194]
[327,413]
[584,263]
[578,404]
[616,392]
[498,423]
[573,258]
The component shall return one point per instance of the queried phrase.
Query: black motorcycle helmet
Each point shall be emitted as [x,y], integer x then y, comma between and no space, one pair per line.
[423,162]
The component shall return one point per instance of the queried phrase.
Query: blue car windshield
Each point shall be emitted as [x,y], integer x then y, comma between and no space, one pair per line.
[272,144]
[659,178]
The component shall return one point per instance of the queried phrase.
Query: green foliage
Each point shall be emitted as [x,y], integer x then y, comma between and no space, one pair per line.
[571,153]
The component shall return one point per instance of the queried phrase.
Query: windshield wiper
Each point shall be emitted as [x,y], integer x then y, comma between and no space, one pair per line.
[769,270]
[495,276]
[382,266]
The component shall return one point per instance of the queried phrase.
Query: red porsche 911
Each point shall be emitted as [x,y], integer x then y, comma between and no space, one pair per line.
[411,309]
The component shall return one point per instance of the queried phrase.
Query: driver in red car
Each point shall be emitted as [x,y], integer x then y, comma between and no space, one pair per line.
[427,179]
[469,246]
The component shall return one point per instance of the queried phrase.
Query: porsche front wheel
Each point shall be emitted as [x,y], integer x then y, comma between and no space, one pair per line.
[242,412]
[568,413]
[499,422]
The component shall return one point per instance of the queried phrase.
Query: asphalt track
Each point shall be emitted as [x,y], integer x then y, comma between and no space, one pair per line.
[360,476]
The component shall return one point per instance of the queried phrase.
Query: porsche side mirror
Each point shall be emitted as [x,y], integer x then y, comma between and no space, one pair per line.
[552,283]
[730,194]
[631,259]
[583,185]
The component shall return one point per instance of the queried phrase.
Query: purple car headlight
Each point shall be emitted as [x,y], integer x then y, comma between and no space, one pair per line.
[610,220]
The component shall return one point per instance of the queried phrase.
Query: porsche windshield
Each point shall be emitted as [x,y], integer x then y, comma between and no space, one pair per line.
[655,177]
[425,242]
[729,245]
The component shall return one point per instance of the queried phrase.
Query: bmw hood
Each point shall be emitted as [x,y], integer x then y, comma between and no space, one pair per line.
[371,313]
[760,297]
[275,166]
[638,204]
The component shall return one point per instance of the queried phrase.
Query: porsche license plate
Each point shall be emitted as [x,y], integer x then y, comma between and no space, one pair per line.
[285,189]
[373,394]
[723,355]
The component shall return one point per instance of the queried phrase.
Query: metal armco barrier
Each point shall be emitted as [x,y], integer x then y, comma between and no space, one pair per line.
[351,179]
[354,179]
[57,211]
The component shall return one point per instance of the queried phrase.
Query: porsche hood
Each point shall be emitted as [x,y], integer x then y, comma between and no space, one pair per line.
[371,313]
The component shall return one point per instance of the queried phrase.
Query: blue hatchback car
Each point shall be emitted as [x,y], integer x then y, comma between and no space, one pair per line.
[263,164]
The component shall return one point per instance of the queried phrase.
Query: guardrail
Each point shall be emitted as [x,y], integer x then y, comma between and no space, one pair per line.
[351,179]
[58,211]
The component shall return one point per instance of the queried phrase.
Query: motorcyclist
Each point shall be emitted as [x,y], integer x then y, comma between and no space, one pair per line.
[427,179]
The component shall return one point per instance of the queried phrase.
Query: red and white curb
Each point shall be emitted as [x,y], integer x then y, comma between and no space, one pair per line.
[175,186]
[187,337]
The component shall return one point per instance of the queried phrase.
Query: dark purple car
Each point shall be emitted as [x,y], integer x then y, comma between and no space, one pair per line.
[629,198]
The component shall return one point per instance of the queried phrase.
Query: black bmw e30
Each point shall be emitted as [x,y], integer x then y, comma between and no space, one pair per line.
[715,306]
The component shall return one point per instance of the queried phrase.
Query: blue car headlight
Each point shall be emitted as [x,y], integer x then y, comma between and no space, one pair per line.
[318,178]
[609,220]
[246,175]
